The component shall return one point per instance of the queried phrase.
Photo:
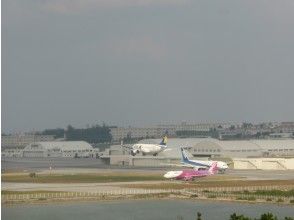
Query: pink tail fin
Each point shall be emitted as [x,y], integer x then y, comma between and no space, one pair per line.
[213,167]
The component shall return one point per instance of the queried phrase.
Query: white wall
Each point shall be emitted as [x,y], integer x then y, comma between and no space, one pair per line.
[264,163]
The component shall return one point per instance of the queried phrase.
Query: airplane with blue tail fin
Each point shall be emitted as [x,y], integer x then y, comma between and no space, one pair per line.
[221,166]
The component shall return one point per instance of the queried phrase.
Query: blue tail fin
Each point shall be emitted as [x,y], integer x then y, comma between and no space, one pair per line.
[184,155]
[164,141]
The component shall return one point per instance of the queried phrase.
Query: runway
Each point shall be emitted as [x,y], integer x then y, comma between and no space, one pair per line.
[91,165]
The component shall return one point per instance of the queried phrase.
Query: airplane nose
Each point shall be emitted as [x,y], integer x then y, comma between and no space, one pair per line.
[167,175]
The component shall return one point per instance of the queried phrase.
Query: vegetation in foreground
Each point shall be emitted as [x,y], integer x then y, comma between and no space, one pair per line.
[234,216]
[284,193]
[210,183]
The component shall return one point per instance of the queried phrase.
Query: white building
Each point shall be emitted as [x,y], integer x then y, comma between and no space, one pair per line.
[210,147]
[60,149]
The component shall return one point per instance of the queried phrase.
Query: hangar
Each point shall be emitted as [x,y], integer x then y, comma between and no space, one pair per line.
[244,148]
[59,149]
[210,147]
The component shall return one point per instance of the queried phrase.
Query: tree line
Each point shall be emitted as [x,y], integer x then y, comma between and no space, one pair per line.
[234,216]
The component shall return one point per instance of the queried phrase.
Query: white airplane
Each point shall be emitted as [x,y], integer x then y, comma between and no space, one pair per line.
[149,149]
[198,164]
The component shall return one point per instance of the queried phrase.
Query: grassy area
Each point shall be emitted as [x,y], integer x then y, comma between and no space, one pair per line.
[191,185]
[79,178]
[7,192]
[284,193]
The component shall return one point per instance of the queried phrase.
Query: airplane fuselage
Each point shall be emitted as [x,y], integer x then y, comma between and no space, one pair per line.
[221,166]
[191,174]
[148,149]
[186,174]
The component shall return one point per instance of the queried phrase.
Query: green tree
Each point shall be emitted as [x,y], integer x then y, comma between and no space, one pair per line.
[94,134]
[57,132]
[268,216]
[198,216]
[238,217]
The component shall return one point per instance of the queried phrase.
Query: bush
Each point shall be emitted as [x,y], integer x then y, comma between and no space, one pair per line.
[211,196]
[280,200]
[251,198]
[269,199]
[32,175]
[194,196]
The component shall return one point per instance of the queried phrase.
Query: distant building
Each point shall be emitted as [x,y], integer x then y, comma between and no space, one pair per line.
[120,133]
[281,135]
[70,149]
[285,127]
[13,145]
[171,130]
[20,141]
[243,148]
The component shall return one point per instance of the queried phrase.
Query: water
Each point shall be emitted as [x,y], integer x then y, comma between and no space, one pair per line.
[140,210]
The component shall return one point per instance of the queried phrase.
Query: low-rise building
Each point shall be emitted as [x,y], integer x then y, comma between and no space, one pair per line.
[21,140]
[60,149]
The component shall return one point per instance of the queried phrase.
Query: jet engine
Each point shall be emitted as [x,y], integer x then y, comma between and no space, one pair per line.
[134,152]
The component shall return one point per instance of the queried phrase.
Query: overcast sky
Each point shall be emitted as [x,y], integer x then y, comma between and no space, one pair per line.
[144,62]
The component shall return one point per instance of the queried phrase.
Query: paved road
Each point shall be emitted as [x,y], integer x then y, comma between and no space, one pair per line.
[35,164]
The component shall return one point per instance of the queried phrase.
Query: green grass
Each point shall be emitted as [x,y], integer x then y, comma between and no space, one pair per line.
[209,183]
[80,178]
[284,193]
[250,198]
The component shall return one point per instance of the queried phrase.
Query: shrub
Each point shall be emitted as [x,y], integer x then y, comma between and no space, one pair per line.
[211,196]
[32,175]
[280,200]
[194,196]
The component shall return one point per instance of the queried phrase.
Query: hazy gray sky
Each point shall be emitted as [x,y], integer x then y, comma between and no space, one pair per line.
[144,62]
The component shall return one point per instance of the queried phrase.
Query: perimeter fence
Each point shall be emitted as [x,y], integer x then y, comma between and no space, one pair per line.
[236,193]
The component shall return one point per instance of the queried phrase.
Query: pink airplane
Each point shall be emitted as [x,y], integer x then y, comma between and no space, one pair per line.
[191,174]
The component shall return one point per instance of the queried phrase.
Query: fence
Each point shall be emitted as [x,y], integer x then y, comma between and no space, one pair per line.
[80,195]
[207,192]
